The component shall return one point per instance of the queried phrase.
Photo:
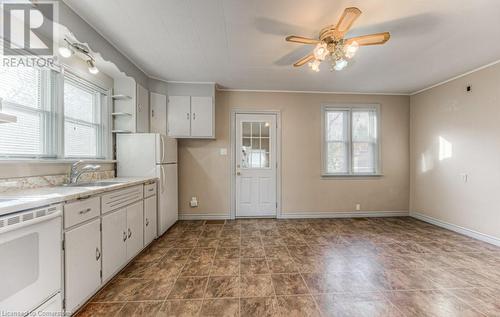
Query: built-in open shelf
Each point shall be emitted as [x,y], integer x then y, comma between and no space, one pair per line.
[121,131]
[121,97]
[121,114]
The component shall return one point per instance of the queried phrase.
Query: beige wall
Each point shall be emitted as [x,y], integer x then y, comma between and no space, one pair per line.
[204,173]
[468,124]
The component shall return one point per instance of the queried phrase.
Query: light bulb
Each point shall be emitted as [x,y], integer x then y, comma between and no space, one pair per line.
[315,65]
[351,49]
[92,68]
[65,51]
[340,64]
[320,51]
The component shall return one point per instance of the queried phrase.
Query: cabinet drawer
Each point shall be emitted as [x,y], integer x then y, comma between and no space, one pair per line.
[149,190]
[121,198]
[81,210]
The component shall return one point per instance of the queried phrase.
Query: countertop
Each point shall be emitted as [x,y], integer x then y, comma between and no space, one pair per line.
[33,198]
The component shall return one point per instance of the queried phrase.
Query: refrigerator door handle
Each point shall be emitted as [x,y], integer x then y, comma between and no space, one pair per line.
[162,184]
[162,140]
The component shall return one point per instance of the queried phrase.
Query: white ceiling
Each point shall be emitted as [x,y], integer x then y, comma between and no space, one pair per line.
[239,44]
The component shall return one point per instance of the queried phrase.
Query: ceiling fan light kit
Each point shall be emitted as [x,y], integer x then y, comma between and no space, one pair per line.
[332,45]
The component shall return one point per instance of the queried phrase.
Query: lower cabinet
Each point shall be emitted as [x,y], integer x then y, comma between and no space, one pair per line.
[149,220]
[83,263]
[122,237]
[114,242]
[98,242]
[135,229]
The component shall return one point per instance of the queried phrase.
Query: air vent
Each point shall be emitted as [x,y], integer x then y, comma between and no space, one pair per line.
[13,220]
[28,216]
[20,217]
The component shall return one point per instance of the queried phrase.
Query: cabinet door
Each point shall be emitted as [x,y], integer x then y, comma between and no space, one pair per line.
[202,116]
[179,116]
[135,229]
[114,242]
[142,113]
[82,263]
[149,220]
[158,113]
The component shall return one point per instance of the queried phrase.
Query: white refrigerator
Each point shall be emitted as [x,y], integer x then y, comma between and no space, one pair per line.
[152,154]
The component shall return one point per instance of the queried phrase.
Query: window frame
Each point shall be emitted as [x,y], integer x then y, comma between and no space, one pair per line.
[350,108]
[101,152]
[53,137]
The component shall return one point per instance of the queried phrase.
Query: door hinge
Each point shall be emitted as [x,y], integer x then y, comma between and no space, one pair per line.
[100,273]
[100,227]
[64,304]
[63,245]
[276,204]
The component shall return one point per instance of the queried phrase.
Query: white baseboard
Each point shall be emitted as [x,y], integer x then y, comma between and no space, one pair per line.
[303,215]
[467,232]
[204,216]
[343,214]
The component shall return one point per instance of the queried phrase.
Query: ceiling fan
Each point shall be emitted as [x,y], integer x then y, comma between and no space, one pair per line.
[332,44]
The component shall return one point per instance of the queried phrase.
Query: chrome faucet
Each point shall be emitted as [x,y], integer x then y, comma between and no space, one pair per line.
[76,172]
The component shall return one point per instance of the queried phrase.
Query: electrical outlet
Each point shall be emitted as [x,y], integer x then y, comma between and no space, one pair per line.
[223,151]
[194,202]
[358,207]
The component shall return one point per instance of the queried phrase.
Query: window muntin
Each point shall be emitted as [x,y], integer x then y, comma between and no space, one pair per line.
[351,142]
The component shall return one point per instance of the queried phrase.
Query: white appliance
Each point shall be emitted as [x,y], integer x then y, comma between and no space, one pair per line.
[152,154]
[31,261]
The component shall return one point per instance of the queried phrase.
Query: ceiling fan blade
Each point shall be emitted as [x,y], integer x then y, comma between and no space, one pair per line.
[302,40]
[304,60]
[371,39]
[347,19]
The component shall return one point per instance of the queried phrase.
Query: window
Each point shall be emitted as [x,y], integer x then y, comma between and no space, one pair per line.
[351,142]
[58,116]
[29,94]
[255,145]
[83,128]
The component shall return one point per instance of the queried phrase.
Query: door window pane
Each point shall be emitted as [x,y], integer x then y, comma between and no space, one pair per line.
[255,146]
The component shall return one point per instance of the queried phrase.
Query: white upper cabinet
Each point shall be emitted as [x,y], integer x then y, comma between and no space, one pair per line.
[142,113]
[158,105]
[191,117]
[179,116]
[202,113]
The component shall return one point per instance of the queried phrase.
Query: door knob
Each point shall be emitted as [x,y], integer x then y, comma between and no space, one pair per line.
[238,173]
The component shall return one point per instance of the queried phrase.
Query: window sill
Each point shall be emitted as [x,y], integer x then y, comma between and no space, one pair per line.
[350,175]
[52,161]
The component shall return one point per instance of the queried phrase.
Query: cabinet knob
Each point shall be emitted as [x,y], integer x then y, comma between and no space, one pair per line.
[194,115]
[97,254]
[187,116]
[129,233]
[147,222]
[124,236]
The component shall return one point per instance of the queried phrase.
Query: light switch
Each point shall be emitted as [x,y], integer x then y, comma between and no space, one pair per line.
[223,151]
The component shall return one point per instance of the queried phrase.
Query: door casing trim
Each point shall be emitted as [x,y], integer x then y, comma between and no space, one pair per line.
[232,161]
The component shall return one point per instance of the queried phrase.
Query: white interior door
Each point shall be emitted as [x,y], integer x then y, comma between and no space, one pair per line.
[255,169]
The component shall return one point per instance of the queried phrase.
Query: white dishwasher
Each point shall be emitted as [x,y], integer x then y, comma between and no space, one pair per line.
[31,261]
